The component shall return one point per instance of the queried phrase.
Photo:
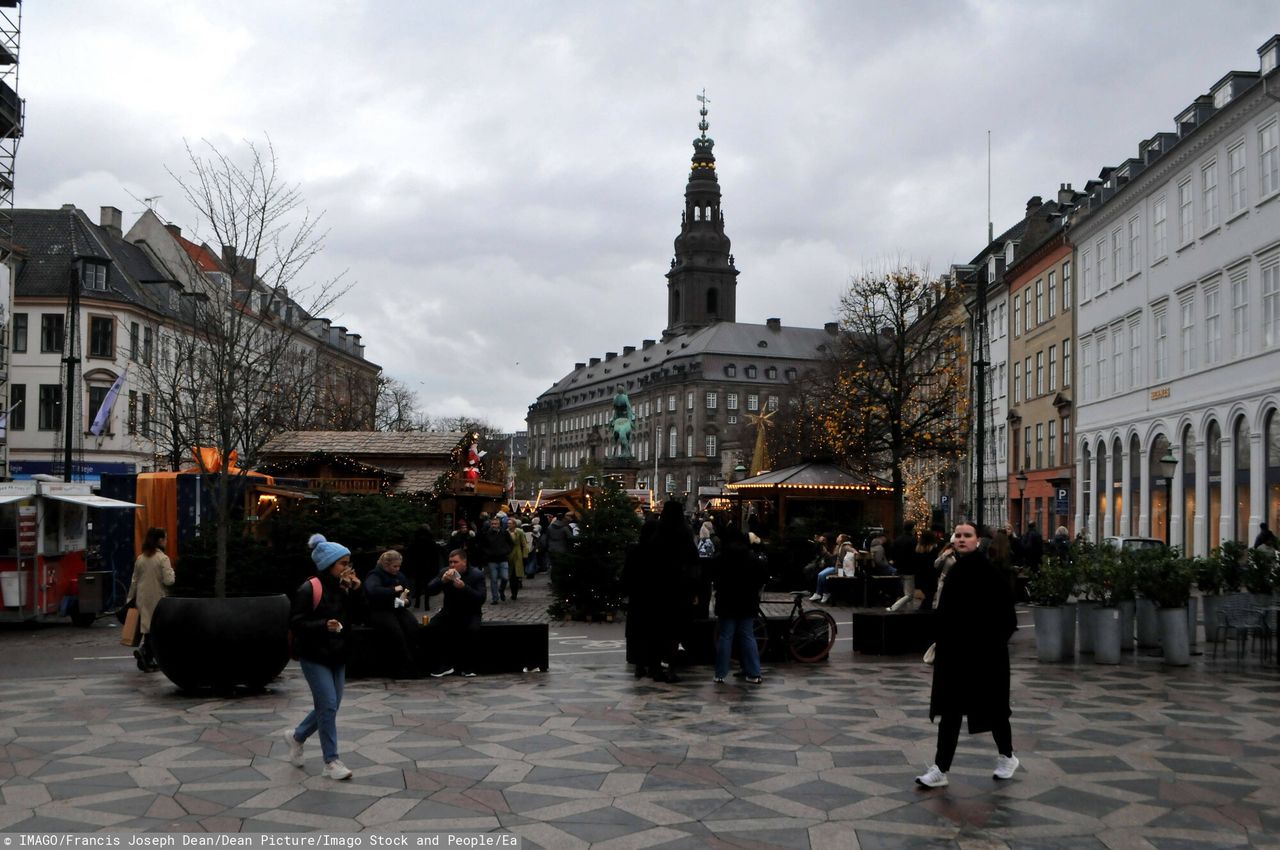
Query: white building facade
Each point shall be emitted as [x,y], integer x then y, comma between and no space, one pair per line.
[1178,326]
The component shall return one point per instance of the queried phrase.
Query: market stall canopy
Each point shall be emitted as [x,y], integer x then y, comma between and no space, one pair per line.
[812,475]
[89,501]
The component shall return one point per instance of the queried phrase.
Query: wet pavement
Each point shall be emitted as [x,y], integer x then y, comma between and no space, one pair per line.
[822,756]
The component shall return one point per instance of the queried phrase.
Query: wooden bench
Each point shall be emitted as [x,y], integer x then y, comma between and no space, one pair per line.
[880,632]
[503,648]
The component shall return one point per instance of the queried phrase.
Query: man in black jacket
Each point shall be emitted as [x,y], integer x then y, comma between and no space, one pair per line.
[459,617]
[495,548]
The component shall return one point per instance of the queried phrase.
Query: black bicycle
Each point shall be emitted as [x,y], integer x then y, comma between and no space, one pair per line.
[810,632]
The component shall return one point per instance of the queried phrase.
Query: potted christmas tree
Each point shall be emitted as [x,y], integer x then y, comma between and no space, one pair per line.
[1166,581]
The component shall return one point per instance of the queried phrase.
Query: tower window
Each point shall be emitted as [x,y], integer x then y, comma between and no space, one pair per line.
[713,301]
[697,213]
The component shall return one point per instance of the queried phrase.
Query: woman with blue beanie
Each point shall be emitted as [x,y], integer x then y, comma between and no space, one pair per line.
[321,612]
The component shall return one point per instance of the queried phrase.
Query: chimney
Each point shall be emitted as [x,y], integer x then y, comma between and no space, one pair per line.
[774,324]
[628,349]
[595,361]
[1065,194]
[174,230]
[649,343]
[577,366]
[111,220]
[610,355]
[357,347]
[832,328]
[1034,203]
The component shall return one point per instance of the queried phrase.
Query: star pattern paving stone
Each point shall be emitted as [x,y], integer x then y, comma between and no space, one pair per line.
[823,756]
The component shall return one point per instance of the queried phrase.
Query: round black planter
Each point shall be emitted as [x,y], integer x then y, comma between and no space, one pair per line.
[221,643]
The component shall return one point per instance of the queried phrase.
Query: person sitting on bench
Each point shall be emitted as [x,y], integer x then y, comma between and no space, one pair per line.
[459,617]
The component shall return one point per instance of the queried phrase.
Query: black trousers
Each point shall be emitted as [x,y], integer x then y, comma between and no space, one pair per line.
[399,629]
[949,736]
[461,637]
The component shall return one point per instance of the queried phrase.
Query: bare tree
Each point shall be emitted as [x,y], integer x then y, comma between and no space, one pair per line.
[397,407]
[898,387]
[234,372]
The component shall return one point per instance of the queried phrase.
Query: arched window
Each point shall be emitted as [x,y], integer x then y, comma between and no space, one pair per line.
[1161,488]
[1187,469]
[1214,519]
[675,306]
[697,213]
[1086,492]
[1120,514]
[1271,437]
[1100,494]
[713,301]
[1134,497]
[709,213]
[1240,445]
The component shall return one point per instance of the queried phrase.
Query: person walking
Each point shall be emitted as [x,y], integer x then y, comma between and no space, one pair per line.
[389,593]
[739,577]
[974,620]
[324,606]
[152,577]
[676,566]
[641,583]
[559,540]
[460,614]
[517,557]
[495,549]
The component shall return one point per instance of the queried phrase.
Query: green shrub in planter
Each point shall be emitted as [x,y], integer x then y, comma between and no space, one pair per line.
[1053,583]
[1260,573]
[1209,575]
[1233,561]
[1165,579]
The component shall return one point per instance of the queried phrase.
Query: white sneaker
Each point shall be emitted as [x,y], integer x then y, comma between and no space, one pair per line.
[815,597]
[337,770]
[826,597]
[295,748]
[932,778]
[1005,766]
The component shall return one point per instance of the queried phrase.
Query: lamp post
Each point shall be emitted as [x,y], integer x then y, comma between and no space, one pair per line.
[1021,478]
[1168,466]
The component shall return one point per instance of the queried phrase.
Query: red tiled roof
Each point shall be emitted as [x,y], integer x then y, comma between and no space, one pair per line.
[201,255]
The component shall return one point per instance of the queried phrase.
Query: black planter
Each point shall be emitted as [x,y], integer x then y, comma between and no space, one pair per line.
[221,643]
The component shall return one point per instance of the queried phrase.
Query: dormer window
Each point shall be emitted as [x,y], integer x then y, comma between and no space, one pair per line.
[1269,59]
[173,300]
[1222,96]
[991,269]
[751,371]
[730,370]
[1008,254]
[93,276]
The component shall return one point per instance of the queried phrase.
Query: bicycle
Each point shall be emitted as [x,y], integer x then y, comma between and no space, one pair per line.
[810,633]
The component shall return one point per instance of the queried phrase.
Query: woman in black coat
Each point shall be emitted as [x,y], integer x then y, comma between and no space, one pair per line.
[644,620]
[675,571]
[974,620]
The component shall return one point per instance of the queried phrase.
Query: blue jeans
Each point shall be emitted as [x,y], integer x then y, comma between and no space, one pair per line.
[326,692]
[497,579]
[741,628]
[823,575]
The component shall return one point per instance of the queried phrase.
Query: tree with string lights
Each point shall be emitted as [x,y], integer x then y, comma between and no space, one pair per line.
[895,387]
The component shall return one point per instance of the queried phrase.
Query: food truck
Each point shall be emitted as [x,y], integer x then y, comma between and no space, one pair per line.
[45,528]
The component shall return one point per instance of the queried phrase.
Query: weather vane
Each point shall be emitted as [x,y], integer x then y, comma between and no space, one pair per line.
[703,125]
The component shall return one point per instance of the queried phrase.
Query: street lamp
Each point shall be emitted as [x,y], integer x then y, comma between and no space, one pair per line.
[1021,478]
[1168,466]
[739,472]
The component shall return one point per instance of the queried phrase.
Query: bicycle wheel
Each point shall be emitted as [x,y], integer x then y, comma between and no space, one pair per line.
[812,636]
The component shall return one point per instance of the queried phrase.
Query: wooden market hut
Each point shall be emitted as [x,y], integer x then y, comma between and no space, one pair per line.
[793,491]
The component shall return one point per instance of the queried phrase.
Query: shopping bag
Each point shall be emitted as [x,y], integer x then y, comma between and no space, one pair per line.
[131,631]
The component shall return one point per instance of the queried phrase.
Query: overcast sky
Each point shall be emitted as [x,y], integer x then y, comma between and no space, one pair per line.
[502,182]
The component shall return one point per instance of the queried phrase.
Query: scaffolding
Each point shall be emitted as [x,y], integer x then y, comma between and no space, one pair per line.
[12,118]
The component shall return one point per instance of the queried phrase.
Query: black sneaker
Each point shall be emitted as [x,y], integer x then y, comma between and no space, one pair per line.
[441,672]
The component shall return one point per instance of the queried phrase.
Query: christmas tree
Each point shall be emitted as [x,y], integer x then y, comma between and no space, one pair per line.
[586,582]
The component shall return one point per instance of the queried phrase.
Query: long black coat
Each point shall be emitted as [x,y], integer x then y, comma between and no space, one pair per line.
[974,620]
[739,574]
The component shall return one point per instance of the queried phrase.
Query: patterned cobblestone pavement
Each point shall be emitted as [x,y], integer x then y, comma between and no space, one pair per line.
[1135,756]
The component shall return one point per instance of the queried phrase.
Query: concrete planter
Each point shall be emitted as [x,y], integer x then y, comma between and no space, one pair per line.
[1106,625]
[1084,624]
[221,643]
[1210,605]
[1148,627]
[1128,612]
[1193,631]
[1048,622]
[1068,632]
[1174,638]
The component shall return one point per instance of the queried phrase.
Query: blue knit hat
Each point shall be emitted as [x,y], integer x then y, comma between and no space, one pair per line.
[325,553]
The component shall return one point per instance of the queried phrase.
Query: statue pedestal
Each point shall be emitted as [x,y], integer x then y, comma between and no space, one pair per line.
[622,470]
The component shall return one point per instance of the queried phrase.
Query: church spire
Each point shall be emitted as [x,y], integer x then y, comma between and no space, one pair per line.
[702,283]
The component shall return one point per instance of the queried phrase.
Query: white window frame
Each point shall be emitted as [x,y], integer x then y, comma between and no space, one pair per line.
[1159,228]
[1160,342]
[753,403]
[1053,367]
[688,445]
[711,445]
[713,399]
[1237,179]
[1209,195]
[1066,362]
[730,401]
[1117,359]
[1104,385]
[1269,159]
[1039,373]
[1135,353]
[1212,324]
[1117,257]
[1186,213]
[673,441]
[1187,333]
[1039,301]
[1052,292]
[1086,283]
[1017,317]
[1240,314]
[1066,285]
[1135,245]
[1271,301]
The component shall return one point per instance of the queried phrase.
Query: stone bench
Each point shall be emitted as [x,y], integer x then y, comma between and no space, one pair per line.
[864,591]
[503,648]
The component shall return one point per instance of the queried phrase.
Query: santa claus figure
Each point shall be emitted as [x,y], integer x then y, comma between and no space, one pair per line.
[471,472]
